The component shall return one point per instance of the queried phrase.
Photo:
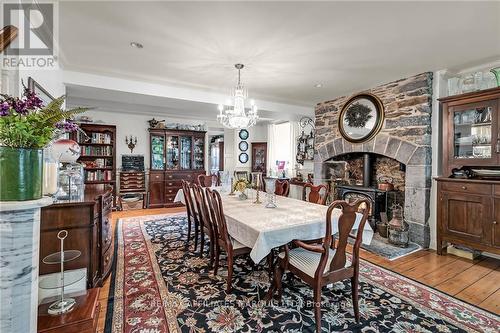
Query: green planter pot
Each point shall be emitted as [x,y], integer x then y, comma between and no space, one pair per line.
[20,174]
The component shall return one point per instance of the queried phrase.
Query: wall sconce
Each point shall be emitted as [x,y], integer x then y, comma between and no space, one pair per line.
[131,142]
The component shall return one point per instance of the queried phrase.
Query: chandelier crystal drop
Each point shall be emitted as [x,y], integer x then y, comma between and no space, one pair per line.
[236,115]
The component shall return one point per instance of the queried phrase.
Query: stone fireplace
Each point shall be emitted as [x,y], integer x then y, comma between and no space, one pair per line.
[402,148]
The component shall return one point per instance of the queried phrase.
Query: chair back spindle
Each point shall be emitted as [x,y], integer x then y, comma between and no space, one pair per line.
[315,194]
[282,187]
[346,222]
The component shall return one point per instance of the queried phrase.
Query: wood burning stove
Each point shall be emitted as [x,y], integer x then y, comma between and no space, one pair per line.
[377,197]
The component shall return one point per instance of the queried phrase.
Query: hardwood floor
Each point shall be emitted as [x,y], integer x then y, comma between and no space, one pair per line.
[474,281]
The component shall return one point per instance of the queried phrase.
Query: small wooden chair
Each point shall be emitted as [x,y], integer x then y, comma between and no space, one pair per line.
[282,187]
[231,246]
[191,212]
[204,180]
[314,194]
[241,175]
[206,226]
[321,264]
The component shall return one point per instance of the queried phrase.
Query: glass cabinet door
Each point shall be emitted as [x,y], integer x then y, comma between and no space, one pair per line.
[186,142]
[474,133]
[172,152]
[199,148]
[157,149]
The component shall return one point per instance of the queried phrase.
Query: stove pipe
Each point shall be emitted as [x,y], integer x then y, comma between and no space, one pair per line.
[367,170]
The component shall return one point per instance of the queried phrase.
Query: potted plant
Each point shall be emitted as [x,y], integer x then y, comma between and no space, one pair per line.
[26,127]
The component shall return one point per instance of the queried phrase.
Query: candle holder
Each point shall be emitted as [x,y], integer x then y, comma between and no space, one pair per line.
[257,181]
[232,187]
[270,196]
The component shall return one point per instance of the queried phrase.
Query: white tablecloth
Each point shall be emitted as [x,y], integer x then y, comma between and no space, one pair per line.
[263,229]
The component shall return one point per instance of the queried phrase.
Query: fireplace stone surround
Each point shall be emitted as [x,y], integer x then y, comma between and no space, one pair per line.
[405,136]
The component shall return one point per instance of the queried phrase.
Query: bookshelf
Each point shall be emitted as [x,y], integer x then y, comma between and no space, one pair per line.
[98,153]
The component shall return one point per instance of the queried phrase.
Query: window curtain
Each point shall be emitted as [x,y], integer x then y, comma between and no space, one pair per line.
[271,148]
[294,133]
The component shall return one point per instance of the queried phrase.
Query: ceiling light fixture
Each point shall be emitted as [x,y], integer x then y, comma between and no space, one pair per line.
[318,85]
[236,115]
[136,45]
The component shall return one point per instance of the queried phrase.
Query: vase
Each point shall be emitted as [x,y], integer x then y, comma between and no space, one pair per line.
[496,72]
[20,174]
[243,196]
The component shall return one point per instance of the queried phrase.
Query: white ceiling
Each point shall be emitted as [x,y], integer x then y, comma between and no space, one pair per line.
[287,47]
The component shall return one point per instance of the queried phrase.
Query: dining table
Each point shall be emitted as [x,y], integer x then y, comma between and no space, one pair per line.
[263,229]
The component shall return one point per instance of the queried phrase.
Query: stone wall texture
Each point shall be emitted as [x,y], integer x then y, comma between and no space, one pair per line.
[405,136]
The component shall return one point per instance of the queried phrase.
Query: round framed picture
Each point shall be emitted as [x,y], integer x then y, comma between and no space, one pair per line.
[361,118]
[243,134]
[243,146]
[243,158]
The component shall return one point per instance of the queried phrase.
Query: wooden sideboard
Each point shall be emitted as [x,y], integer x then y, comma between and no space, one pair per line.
[88,223]
[469,208]
[469,214]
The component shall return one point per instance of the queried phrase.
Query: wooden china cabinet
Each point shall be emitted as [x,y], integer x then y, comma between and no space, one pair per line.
[176,155]
[259,157]
[469,189]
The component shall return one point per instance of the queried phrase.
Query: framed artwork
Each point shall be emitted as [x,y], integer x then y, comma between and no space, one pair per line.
[40,91]
[243,134]
[243,158]
[243,146]
[361,118]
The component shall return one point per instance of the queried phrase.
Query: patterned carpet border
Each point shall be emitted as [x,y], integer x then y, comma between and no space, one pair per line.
[426,299]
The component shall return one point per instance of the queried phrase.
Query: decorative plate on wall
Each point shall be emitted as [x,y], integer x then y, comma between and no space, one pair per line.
[361,118]
[243,158]
[243,146]
[243,134]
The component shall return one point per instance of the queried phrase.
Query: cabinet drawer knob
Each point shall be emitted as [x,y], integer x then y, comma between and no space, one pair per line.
[464,187]
[494,222]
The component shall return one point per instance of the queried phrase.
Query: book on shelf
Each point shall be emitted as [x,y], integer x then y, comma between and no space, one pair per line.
[96,151]
[98,175]
[101,138]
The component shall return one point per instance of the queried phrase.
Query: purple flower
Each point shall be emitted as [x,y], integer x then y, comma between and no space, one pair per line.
[4,109]
[32,100]
[67,126]
[20,107]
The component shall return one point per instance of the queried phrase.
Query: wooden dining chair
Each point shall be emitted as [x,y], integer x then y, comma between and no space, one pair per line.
[325,263]
[192,215]
[224,241]
[282,187]
[204,180]
[241,175]
[216,178]
[206,227]
[315,194]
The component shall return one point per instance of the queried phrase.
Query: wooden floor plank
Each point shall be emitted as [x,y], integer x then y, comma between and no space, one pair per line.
[480,290]
[492,303]
[469,276]
[423,265]
[446,272]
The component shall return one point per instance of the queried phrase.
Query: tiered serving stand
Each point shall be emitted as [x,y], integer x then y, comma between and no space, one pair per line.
[63,304]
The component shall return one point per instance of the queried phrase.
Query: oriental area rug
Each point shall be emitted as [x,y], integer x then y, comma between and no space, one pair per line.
[160,285]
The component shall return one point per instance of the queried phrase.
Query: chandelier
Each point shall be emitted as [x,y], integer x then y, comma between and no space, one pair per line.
[236,115]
